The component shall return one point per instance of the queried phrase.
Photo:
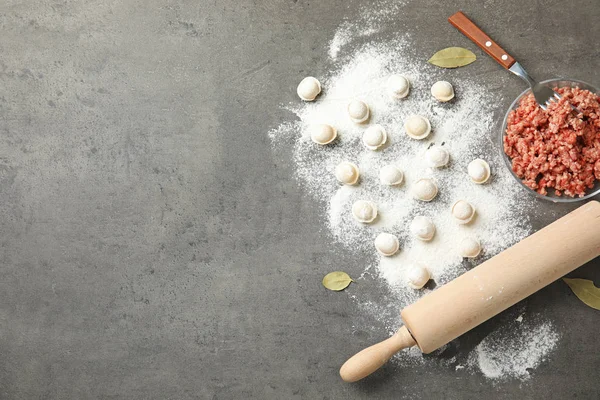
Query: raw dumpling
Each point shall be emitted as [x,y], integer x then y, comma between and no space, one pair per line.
[469,248]
[398,86]
[309,88]
[463,212]
[347,173]
[437,156]
[391,175]
[358,111]
[364,211]
[479,171]
[442,91]
[323,133]
[387,244]
[425,189]
[374,137]
[422,228]
[417,276]
[417,127]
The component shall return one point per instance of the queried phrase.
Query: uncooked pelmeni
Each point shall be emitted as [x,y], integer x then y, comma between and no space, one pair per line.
[387,244]
[424,189]
[469,248]
[347,173]
[364,211]
[417,276]
[390,175]
[442,91]
[323,133]
[309,88]
[463,211]
[417,127]
[398,86]
[479,171]
[437,156]
[358,111]
[374,137]
[422,228]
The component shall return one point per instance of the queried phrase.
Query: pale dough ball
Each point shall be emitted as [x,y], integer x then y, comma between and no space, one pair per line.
[347,173]
[364,211]
[437,156]
[398,86]
[387,244]
[309,88]
[425,189]
[463,211]
[469,248]
[442,91]
[358,111]
[479,171]
[374,137]
[417,127]
[323,133]
[422,228]
[390,175]
[417,276]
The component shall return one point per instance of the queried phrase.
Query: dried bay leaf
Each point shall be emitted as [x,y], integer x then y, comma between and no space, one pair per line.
[337,280]
[585,290]
[452,57]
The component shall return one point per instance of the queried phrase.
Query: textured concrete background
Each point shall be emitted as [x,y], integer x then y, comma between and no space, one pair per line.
[151,243]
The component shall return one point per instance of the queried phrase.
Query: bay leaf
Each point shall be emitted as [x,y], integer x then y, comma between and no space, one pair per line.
[585,290]
[337,280]
[452,57]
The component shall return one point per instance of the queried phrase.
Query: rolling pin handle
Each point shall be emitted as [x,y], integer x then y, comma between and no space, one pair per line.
[372,358]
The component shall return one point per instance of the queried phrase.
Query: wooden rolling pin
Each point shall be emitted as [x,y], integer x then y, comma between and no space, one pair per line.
[476,296]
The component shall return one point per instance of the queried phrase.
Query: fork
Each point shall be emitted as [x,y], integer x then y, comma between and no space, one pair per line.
[543,94]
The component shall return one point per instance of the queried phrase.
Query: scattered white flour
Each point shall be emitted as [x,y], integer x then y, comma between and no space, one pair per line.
[370,21]
[503,354]
[519,318]
[465,126]
[345,35]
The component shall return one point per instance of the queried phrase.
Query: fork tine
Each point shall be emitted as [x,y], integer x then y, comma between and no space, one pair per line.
[555,97]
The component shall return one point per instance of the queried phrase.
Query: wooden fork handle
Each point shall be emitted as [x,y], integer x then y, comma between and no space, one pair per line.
[461,22]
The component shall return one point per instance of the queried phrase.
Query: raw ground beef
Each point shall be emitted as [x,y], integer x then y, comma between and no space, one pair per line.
[554,148]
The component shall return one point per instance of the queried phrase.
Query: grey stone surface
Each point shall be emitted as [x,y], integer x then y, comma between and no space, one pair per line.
[151,242]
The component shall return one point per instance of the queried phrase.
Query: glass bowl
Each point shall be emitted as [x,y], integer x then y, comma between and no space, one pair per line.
[507,161]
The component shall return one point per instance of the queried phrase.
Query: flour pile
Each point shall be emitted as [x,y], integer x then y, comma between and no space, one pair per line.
[465,127]
[504,353]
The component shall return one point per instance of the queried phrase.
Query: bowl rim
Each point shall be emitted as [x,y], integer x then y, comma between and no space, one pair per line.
[508,161]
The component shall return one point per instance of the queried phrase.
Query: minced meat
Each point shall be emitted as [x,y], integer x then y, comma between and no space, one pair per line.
[556,148]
